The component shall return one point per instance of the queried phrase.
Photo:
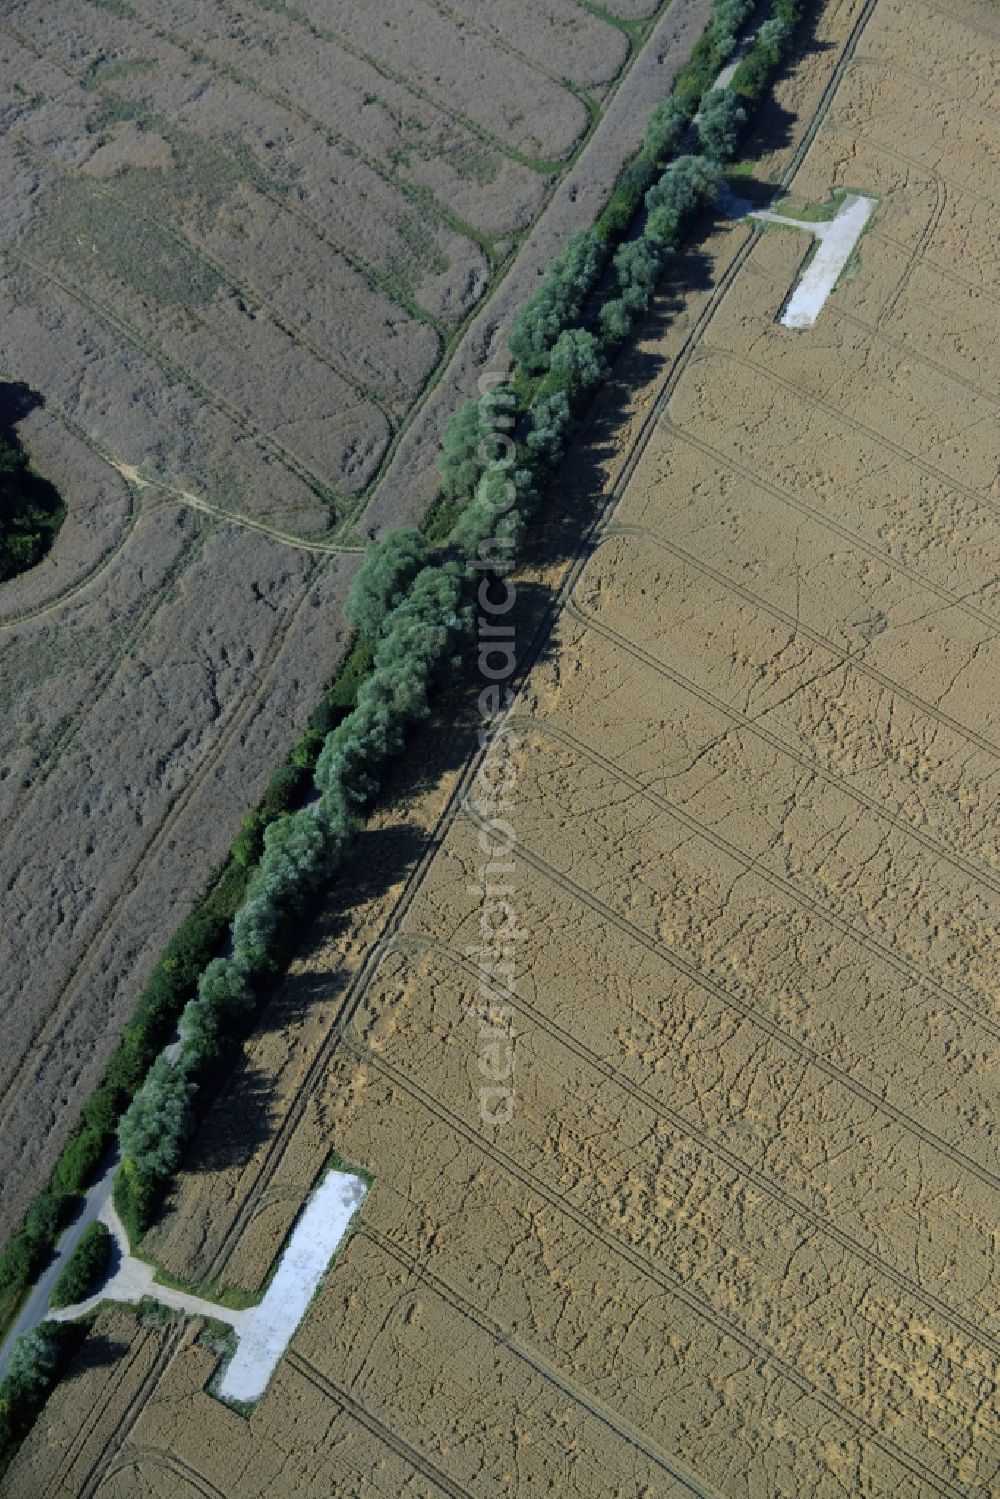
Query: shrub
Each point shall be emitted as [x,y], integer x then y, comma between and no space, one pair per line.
[720,123]
[459,462]
[383,577]
[223,987]
[30,1248]
[86,1267]
[763,57]
[550,425]
[728,17]
[344,693]
[638,266]
[101,1111]
[504,494]
[44,1218]
[473,439]
[678,195]
[134,1195]
[284,789]
[17,1264]
[201,1035]
[614,322]
[576,366]
[697,74]
[155,1123]
[80,1157]
[617,214]
[294,861]
[665,130]
[559,301]
[663,135]
[32,1361]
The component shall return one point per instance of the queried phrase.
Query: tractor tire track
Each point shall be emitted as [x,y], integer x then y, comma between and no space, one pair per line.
[764,1182]
[447,1293]
[173,367]
[694,1300]
[778,743]
[865,941]
[730,999]
[828,522]
[95,1414]
[97,1472]
[384,1434]
[806,397]
[158,1457]
[852,659]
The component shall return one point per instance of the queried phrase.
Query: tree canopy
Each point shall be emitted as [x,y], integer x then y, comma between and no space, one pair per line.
[383,578]
[720,122]
[30,511]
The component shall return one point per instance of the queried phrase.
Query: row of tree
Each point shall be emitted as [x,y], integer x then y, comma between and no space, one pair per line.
[414,609]
[413,614]
[410,614]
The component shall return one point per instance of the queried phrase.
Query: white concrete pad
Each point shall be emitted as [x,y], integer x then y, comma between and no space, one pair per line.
[264,1331]
[268,1328]
[837,238]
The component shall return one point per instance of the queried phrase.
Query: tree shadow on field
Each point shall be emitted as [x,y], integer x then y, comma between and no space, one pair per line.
[96,1350]
[17,400]
[243,1113]
[577,494]
[772,126]
[240,1119]
[241,1116]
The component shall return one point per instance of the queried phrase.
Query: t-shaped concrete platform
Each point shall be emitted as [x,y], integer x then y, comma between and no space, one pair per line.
[837,238]
[263,1332]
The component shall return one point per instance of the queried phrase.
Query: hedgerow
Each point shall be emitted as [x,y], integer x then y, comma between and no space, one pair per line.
[85,1268]
[33,1369]
[414,612]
